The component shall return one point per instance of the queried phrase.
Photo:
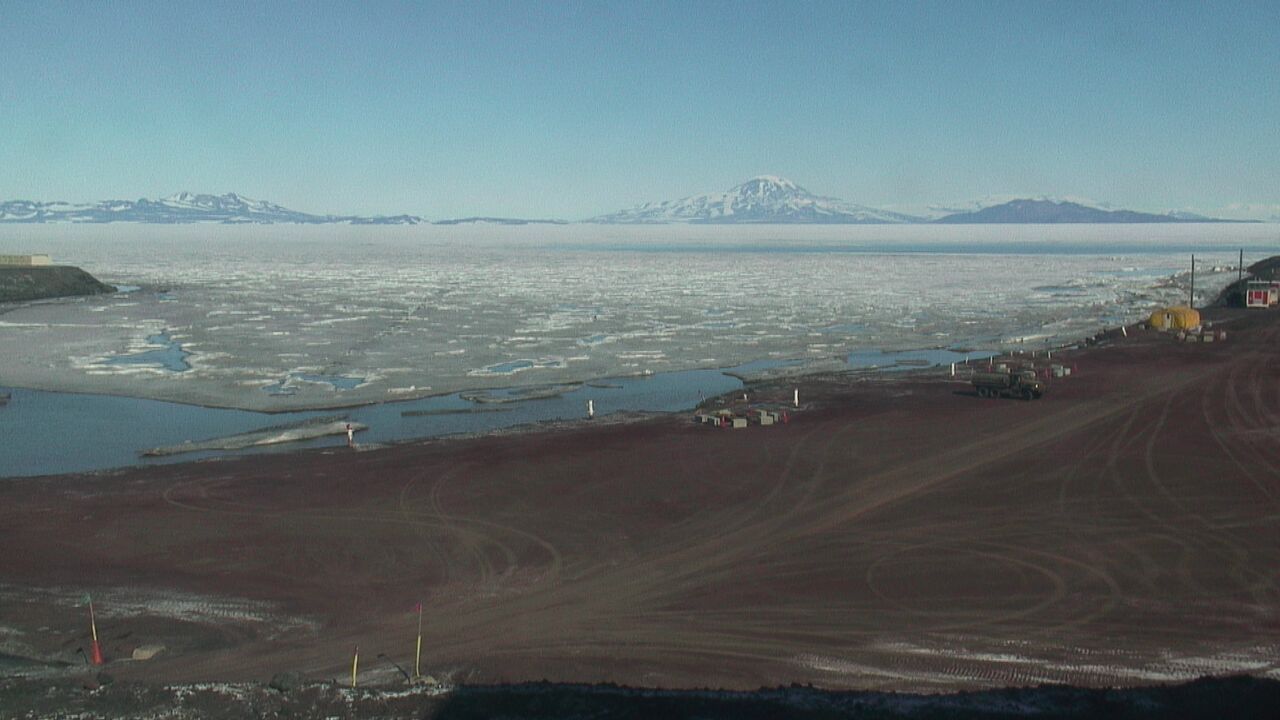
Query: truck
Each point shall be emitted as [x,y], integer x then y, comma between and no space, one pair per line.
[1018,383]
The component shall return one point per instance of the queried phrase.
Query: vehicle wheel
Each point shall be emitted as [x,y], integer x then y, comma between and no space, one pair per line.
[982,392]
[1028,395]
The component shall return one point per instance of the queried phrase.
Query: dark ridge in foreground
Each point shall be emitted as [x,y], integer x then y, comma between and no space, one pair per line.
[20,284]
[1238,697]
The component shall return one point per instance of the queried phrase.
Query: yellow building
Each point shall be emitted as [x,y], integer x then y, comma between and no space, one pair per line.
[1175,318]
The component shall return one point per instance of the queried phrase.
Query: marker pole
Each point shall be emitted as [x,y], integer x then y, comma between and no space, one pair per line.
[95,653]
[417,656]
[355,665]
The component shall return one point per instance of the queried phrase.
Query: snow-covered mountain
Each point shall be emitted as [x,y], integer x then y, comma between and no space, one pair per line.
[1044,211]
[763,199]
[181,208]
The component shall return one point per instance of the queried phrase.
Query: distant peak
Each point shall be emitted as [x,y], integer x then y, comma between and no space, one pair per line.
[769,186]
[770,180]
[762,199]
[187,196]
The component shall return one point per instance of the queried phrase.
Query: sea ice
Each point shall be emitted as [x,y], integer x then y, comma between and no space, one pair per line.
[454,308]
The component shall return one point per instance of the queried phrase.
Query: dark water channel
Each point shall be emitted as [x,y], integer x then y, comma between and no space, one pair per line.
[50,432]
[46,433]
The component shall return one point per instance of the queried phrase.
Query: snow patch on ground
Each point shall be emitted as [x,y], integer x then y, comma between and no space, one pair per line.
[163,603]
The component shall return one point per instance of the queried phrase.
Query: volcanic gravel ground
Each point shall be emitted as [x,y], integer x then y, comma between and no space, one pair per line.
[896,534]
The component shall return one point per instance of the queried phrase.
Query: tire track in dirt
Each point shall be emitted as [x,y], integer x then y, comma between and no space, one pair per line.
[1176,521]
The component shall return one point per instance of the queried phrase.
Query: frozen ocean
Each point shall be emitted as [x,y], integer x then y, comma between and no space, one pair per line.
[288,318]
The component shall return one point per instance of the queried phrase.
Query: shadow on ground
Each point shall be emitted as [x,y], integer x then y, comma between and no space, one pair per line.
[1227,697]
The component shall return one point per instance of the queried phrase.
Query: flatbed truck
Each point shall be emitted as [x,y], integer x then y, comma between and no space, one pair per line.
[1017,384]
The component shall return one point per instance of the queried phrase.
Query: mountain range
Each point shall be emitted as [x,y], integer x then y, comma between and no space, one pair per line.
[180,209]
[766,199]
[771,199]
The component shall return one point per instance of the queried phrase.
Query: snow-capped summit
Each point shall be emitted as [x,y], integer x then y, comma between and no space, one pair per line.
[182,198]
[769,184]
[228,203]
[762,199]
[202,200]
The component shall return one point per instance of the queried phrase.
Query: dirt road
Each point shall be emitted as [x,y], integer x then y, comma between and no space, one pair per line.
[895,535]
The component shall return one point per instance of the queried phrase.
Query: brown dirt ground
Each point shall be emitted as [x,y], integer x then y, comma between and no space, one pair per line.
[896,534]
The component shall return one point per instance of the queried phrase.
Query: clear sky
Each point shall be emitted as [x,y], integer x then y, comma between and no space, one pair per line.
[542,109]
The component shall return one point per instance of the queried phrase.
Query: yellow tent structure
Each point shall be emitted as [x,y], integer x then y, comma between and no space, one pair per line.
[1175,318]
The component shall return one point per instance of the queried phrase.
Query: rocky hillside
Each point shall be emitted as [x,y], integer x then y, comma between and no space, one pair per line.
[19,284]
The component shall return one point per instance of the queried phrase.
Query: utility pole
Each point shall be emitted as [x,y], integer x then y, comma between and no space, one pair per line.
[1240,275]
[1191,296]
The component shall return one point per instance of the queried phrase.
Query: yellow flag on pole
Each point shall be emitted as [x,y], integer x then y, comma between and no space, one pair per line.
[355,665]
[417,655]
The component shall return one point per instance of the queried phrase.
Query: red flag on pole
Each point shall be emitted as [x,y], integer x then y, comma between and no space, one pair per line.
[95,651]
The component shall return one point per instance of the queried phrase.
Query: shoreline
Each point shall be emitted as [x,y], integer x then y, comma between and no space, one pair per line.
[774,372]
[146,458]
[600,382]
[887,375]
[803,372]
[554,426]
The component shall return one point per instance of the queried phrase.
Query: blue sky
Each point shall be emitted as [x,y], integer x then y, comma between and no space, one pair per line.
[541,109]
